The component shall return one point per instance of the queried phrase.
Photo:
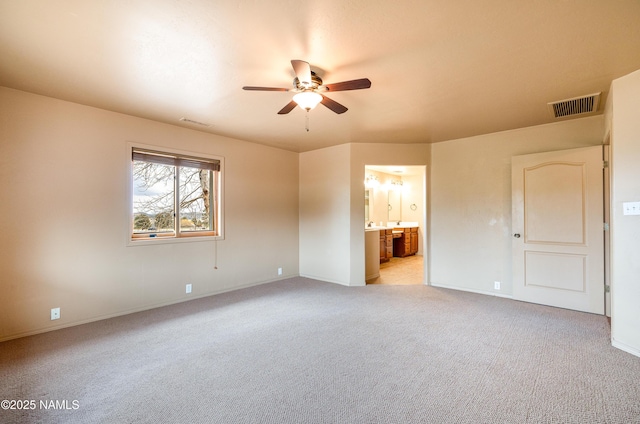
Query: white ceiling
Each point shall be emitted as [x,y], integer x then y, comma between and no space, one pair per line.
[440,70]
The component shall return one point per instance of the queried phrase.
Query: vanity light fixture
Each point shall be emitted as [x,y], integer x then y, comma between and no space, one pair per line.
[394,185]
[371,181]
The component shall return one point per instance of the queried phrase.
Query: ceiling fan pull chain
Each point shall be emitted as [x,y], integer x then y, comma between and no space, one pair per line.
[306,120]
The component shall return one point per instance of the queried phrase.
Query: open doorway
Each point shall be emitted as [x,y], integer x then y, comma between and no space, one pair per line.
[407,271]
[395,203]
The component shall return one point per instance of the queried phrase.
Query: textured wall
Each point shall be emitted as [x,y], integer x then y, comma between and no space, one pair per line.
[64,168]
[625,229]
[471,200]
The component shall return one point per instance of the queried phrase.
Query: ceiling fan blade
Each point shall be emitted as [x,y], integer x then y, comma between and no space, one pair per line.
[246,87]
[250,88]
[357,84]
[288,108]
[303,72]
[333,105]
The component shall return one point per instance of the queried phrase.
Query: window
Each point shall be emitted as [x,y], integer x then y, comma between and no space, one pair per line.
[174,195]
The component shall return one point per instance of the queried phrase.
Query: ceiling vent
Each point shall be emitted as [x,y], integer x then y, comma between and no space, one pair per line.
[576,106]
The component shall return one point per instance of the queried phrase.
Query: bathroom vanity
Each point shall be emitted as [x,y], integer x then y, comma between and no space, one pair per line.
[383,243]
[372,249]
[405,241]
[386,244]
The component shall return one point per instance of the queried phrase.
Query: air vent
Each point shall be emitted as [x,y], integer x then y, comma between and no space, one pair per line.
[575,106]
[191,121]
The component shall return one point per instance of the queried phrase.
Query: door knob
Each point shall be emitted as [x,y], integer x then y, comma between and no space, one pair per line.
[516,235]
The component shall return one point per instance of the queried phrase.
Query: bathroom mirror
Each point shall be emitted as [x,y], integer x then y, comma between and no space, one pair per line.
[395,205]
[367,200]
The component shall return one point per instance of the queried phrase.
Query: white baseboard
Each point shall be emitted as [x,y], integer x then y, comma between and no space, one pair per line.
[140,309]
[624,347]
[328,280]
[371,277]
[488,293]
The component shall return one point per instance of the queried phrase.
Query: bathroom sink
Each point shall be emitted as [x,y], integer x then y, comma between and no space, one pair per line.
[402,224]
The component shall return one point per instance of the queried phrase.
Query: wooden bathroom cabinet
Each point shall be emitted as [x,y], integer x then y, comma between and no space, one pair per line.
[407,243]
[386,245]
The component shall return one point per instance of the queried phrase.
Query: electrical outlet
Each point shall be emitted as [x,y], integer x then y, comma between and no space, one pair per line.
[496,285]
[279,271]
[631,208]
[188,288]
[55,313]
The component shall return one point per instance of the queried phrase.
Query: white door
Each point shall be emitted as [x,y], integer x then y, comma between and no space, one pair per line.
[557,229]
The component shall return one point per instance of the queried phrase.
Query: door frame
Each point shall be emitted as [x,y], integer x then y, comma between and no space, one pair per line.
[606,192]
[424,239]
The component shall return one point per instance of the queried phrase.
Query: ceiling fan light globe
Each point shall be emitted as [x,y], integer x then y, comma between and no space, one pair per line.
[307,100]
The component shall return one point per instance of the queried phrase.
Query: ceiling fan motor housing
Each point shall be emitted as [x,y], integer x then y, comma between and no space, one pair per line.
[316,82]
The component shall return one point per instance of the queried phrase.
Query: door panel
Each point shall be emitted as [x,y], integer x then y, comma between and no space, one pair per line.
[557,215]
[555,270]
[557,222]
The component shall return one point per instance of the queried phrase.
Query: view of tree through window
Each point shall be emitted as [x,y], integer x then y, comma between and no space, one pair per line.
[154,197]
[194,199]
[170,190]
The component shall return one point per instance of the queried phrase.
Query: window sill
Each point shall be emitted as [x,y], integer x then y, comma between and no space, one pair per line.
[152,241]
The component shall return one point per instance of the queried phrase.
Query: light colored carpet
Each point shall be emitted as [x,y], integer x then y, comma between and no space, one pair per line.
[303,351]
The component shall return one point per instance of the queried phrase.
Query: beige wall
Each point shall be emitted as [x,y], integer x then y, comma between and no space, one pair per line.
[64,171]
[471,200]
[324,214]
[624,112]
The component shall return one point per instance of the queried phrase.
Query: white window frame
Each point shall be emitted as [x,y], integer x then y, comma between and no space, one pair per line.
[179,237]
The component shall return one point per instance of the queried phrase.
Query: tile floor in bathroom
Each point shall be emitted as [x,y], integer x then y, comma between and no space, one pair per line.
[401,271]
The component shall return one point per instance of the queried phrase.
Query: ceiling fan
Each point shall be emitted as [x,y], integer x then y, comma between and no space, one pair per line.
[310,88]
